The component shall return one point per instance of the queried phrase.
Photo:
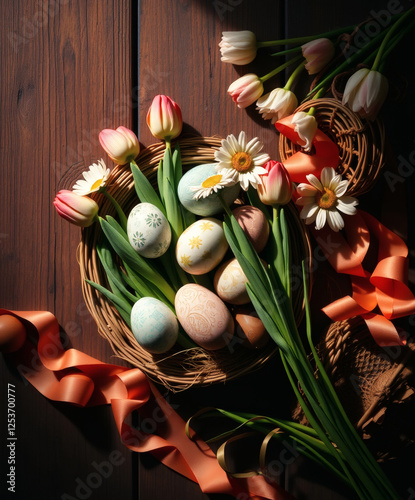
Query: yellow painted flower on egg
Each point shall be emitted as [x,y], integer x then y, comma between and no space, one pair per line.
[241,160]
[93,179]
[212,185]
[195,242]
[323,199]
[186,260]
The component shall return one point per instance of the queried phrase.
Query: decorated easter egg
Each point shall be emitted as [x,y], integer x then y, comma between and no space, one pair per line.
[148,230]
[210,205]
[204,316]
[202,246]
[255,225]
[12,333]
[249,328]
[230,283]
[154,325]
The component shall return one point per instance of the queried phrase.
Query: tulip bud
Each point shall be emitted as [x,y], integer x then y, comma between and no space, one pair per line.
[365,92]
[246,90]
[306,127]
[317,54]
[238,47]
[164,118]
[276,187]
[78,210]
[277,104]
[121,145]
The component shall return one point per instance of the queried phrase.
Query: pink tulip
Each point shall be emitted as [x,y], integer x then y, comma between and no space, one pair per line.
[78,210]
[164,118]
[276,187]
[365,92]
[121,145]
[246,90]
[317,54]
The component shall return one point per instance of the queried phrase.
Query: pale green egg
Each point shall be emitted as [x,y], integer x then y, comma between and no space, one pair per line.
[154,325]
[204,206]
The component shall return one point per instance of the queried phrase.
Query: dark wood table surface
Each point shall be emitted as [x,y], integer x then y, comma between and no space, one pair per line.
[70,68]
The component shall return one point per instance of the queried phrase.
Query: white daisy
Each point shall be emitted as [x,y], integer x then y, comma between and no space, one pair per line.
[241,160]
[94,178]
[323,199]
[212,185]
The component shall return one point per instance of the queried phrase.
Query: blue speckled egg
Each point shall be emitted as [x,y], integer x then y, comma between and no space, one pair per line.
[154,325]
[204,206]
[148,230]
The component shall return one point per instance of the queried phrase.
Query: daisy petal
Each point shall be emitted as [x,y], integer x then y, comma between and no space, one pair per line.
[321,219]
[327,175]
[347,205]
[335,220]
[309,211]
[312,179]
[341,188]
[306,190]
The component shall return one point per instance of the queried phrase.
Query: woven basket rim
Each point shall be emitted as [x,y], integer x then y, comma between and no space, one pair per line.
[177,369]
[361,142]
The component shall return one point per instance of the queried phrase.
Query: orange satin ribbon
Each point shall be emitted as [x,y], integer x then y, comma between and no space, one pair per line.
[300,164]
[74,377]
[384,288]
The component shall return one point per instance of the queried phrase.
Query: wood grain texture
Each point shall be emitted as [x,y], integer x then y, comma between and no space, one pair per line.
[65,67]
[69,69]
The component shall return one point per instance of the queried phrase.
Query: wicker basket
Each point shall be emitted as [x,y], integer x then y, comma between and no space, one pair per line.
[375,385]
[360,142]
[178,369]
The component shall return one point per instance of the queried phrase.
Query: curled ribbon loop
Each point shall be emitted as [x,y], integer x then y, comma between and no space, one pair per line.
[73,377]
[300,164]
[384,288]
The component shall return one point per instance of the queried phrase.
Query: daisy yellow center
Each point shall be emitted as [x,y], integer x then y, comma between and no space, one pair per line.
[326,199]
[96,184]
[211,181]
[241,161]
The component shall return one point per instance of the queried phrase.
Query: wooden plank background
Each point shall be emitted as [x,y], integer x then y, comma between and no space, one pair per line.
[69,69]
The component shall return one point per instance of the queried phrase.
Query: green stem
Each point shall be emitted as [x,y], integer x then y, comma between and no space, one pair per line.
[279,69]
[305,39]
[345,65]
[286,52]
[121,215]
[385,41]
[294,75]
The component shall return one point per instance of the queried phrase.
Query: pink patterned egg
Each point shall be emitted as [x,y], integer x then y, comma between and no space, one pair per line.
[204,316]
[255,225]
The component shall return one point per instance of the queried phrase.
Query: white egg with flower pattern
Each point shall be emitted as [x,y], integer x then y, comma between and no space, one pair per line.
[154,325]
[148,230]
[202,246]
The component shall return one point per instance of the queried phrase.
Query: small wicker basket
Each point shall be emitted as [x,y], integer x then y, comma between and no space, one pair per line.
[375,385]
[360,142]
[178,369]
